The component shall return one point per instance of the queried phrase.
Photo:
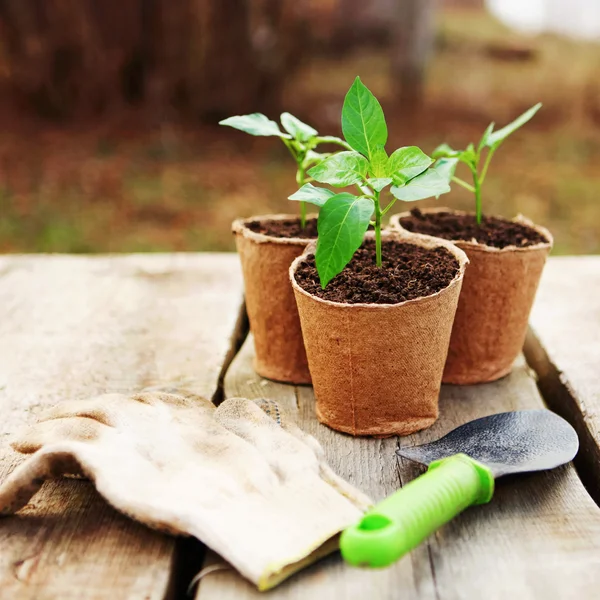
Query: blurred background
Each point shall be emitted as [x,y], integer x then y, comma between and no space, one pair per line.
[108,110]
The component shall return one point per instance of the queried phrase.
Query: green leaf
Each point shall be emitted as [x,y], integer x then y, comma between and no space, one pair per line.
[496,138]
[363,122]
[379,160]
[313,158]
[406,163]
[312,194]
[332,139]
[428,184]
[468,156]
[341,169]
[446,168]
[485,137]
[445,151]
[299,130]
[342,224]
[255,124]
[378,183]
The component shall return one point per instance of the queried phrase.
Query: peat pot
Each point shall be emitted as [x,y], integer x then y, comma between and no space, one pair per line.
[495,302]
[272,312]
[377,368]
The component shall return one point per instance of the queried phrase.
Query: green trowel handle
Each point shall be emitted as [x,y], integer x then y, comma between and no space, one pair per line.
[401,522]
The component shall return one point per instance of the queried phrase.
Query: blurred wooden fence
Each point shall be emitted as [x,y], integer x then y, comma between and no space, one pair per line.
[204,58]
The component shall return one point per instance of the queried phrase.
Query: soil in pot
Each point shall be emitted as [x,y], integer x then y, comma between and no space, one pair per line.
[506,262]
[285,228]
[407,272]
[377,338]
[493,231]
[267,246]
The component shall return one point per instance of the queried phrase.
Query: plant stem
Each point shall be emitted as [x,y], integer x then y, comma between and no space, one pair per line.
[488,158]
[477,190]
[299,157]
[300,180]
[464,184]
[377,229]
[387,208]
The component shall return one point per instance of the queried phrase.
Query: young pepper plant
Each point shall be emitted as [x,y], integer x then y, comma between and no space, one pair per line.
[345,217]
[473,156]
[299,138]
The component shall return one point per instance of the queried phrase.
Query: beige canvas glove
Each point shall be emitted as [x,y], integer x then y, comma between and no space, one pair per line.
[252,487]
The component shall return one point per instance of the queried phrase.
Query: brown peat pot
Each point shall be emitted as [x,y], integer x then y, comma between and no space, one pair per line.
[377,368]
[495,302]
[272,312]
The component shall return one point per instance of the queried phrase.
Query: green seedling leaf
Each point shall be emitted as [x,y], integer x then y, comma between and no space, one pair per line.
[472,157]
[445,151]
[446,167]
[485,137]
[312,194]
[363,122]
[342,224]
[428,184]
[296,128]
[469,156]
[255,124]
[312,158]
[379,160]
[341,169]
[406,163]
[332,139]
[378,183]
[496,138]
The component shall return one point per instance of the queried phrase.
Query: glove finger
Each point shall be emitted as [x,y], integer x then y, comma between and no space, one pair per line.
[271,408]
[174,395]
[289,450]
[104,409]
[117,409]
[286,453]
[28,478]
[56,431]
[87,409]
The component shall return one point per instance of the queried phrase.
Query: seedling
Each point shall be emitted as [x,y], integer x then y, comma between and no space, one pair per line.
[300,139]
[344,217]
[473,157]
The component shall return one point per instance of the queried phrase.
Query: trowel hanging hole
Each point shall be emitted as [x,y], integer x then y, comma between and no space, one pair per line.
[374,523]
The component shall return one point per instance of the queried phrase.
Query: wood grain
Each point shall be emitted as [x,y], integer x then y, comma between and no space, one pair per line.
[563,346]
[75,327]
[539,538]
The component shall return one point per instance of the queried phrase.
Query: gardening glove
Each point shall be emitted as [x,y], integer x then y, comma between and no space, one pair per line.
[241,478]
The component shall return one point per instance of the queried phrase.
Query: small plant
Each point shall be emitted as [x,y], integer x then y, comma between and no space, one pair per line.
[344,217]
[472,156]
[301,140]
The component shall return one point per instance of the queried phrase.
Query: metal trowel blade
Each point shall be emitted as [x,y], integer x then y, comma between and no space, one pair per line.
[510,442]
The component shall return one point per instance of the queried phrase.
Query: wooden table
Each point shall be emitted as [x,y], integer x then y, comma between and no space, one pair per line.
[72,327]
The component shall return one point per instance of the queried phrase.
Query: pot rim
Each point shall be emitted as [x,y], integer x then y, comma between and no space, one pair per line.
[478,246]
[239,227]
[426,241]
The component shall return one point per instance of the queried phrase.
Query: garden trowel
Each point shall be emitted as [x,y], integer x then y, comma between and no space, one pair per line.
[462,468]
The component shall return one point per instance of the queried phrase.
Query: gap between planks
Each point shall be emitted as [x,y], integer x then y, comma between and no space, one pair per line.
[563,347]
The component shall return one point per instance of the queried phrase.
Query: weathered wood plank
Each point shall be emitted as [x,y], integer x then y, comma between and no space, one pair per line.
[74,327]
[563,347]
[539,538]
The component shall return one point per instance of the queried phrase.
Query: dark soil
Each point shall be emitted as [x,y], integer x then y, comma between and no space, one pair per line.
[493,231]
[286,228]
[407,272]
